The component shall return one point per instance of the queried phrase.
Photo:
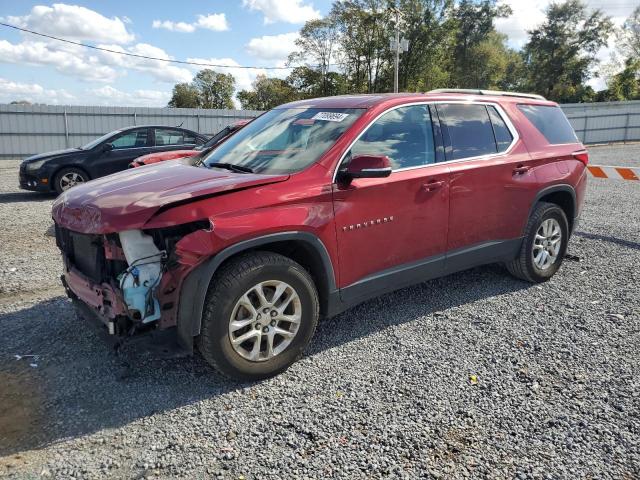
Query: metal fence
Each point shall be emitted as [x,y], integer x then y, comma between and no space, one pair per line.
[30,129]
[605,122]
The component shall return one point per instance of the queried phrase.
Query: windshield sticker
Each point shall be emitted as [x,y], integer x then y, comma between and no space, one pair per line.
[330,116]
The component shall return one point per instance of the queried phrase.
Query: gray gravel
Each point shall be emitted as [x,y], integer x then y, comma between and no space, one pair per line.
[386,390]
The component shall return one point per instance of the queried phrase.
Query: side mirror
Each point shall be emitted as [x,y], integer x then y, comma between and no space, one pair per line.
[107,147]
[368,166]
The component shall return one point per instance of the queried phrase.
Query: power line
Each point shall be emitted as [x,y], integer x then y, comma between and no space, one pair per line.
[128,54]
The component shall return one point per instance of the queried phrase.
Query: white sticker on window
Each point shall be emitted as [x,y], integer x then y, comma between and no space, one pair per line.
[330,116]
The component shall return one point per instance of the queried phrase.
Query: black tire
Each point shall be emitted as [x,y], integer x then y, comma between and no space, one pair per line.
[523,266]
[228,285]
[58,179]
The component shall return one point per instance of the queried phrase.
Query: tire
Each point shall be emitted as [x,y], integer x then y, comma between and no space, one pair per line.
[74,175]
[525,266]
[242,278]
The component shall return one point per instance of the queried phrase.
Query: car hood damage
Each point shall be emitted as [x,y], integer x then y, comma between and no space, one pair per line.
[127,200]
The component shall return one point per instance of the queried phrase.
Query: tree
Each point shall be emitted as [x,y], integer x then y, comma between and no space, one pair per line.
[185,95]
[561,52]
[476,41]
[215,90]
[316,43]
[628,37]
[626,84]
[267,93]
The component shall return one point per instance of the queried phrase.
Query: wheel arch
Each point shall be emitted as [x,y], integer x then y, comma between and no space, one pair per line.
[562,195]
[302,247]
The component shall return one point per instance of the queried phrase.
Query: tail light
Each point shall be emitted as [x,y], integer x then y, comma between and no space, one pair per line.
[581,155]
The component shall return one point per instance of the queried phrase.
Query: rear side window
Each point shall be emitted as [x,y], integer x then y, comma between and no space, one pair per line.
[550,122]
[470,130]
[500,129]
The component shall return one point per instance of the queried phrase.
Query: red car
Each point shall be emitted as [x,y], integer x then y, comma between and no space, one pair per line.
[316,206]
[200,150]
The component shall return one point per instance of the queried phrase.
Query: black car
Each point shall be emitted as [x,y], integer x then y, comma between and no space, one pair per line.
[105,155]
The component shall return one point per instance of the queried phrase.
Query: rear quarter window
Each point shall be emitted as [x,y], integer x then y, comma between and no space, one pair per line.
[551,122]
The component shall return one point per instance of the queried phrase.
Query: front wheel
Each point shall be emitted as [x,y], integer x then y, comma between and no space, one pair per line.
[261,311]
[69,177]
[543,246]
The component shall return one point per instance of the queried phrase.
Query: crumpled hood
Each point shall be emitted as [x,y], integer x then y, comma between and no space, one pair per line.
[57,153]
[128,199]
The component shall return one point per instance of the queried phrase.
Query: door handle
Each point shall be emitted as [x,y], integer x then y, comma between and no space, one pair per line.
[433,185]
[521,169]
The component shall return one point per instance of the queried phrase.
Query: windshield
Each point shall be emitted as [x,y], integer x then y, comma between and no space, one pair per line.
[98,140]
[215,139]
[284,140]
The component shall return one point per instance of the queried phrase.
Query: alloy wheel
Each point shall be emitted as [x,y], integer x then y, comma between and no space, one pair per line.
[265,320]
[69,180]
[547,243]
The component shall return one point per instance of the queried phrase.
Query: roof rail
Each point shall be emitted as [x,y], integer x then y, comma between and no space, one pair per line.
[488,92]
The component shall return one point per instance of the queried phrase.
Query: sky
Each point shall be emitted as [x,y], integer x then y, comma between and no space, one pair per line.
[259,33]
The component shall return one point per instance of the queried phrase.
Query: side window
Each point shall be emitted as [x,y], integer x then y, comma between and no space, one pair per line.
[132,139]
[550,122]
[189,138]
[405,135]
[500,129]
[165,136]
[469,128]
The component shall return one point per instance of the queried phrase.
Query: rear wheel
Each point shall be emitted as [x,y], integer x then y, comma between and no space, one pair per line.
[544,244]
[261,311]
[68,178]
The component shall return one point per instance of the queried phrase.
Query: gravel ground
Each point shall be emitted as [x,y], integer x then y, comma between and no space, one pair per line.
[473,375]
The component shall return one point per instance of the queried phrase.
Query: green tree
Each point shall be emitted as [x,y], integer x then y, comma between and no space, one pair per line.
[267,93]
[561,53]
[477,42]
[185,95]
[215,90]
[626,84]
[316,44]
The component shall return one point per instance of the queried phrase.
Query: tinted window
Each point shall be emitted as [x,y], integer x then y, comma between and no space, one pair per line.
[405,135]
[173,137]
[550,122]
[502,133]
[469,128]
[133,139]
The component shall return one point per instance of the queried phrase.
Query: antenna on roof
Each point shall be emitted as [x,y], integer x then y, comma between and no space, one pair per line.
[180,124]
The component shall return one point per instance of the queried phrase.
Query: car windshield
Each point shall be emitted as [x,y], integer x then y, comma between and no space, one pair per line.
[284,140]
[215,139]
[98,140]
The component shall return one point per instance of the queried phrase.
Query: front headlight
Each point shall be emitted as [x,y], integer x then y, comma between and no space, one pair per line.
[31,166]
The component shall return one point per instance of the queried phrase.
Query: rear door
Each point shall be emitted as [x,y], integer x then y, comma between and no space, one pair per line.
[173,139]
[491,180]
[127,146]
[391,229]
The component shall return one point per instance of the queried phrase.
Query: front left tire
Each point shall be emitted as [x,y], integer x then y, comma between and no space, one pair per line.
[261,311]
[68,178]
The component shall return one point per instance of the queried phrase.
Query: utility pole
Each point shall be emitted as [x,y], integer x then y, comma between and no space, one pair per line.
[397,45]
[397,42]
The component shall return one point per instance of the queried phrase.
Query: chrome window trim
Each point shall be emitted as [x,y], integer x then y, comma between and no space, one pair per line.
[505,118]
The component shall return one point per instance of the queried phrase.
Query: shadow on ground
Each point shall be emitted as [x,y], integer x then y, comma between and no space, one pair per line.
[19,197]
[77,387]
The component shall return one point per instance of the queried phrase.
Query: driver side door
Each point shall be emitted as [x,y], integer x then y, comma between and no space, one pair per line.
[127,146]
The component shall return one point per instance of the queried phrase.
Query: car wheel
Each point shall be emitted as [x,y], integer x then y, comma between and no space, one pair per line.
[544,244]
[260,313]
[69,177]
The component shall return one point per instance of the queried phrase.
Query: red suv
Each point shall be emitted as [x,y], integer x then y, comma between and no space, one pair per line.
[316,206]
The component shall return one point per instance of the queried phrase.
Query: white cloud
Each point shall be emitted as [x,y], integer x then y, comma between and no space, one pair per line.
[272,47]
[161,71]
[32,92]
[66,59]
[73,22]
[289,11]
[174,26]
[109,95]
[214,21]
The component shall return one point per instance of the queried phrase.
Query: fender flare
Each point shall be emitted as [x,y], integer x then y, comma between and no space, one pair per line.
[562,187]
[195,286]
